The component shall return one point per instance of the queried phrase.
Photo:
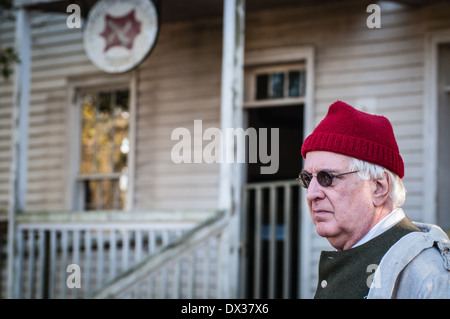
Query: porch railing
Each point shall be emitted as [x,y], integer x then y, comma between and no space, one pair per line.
[188,267]
[69,255]
[270,249]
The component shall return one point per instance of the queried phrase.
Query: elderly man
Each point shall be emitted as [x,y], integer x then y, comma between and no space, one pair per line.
[353,178]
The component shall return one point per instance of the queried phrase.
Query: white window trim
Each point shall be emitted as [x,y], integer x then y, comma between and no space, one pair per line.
[291,54]
[86,84]
[250,86]
[430,133]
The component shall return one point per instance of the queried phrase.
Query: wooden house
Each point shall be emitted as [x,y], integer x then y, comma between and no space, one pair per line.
[113,176]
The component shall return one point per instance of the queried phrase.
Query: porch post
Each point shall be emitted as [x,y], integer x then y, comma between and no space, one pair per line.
[231,117]
[19,132]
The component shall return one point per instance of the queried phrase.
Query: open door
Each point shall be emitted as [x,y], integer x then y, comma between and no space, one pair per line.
[272,208]
[443,138]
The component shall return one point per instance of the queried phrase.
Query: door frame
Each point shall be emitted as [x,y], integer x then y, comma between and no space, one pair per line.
[294,54]
[430,116]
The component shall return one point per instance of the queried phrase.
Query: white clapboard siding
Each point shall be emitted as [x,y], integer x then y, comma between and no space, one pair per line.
[57,54]
[6,103]
[179,83]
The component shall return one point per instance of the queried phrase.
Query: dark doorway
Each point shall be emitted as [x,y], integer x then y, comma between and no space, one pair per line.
[289,121]
[443,156]
[272,209]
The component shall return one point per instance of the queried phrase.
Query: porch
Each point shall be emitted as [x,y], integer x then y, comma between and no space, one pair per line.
[83,254]
[257,237]
[70,254]
[159,254]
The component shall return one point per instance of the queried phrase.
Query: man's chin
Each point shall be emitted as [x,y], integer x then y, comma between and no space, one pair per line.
[325,230]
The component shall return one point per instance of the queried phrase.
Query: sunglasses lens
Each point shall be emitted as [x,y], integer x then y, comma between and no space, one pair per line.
[324,178]
[305,179]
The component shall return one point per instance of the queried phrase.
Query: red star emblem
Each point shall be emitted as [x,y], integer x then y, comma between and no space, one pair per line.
[121,31]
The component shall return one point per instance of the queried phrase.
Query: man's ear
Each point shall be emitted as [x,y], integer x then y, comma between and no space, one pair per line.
[382,190]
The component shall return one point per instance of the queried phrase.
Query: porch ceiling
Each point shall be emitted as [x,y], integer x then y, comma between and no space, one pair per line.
[176,10]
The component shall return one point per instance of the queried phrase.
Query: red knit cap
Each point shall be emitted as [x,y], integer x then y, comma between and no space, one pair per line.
[348,131]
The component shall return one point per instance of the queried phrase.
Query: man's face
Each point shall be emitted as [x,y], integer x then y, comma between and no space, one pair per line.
[343,212]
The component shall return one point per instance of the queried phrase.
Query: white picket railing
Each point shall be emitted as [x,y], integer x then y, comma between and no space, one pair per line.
[188,267]
[270,253]
[52,249]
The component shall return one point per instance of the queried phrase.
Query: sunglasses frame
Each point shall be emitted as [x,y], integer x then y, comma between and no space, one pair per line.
[329,177]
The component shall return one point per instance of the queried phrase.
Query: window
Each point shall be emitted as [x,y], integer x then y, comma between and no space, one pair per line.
[280,85]
[104,146]
[276,85]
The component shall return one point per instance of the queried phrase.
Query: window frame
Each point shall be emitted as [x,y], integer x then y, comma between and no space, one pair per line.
[294,54]
[113,177]
[76,88]
[251,74]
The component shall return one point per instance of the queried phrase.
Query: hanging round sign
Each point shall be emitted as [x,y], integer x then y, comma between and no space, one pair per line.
[119,34]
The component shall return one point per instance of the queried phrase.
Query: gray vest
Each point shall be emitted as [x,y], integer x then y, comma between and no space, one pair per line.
[345,273]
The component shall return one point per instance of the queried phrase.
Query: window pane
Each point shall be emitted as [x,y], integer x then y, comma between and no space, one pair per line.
[120,160]
[104,105]
[262,81]
[122,101]
[104,195]
[87,160]
[104,160]
[104,133]
[120,122]
[302,80]
[294,83]
[121,149]
[107,194]
[90,195]
[277,85]
[88,111]
[123,187]
[123,182]
[104,149]
[119,136]
[302,83]
[88,133]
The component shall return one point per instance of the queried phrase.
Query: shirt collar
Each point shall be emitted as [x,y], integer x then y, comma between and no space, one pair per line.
[387,222]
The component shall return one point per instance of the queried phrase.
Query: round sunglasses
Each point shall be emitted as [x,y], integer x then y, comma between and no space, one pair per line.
[324,178]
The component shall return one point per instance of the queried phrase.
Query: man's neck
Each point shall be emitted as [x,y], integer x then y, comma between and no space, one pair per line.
[384,224]
[380,223]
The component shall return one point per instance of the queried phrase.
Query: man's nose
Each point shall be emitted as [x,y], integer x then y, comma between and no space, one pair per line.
[314,190]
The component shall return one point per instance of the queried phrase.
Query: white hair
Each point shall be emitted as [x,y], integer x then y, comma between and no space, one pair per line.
[367,171]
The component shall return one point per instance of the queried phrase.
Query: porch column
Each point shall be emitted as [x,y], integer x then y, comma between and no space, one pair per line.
[231,117]
[19,133]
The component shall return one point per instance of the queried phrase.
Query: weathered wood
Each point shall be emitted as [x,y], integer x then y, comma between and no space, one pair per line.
[18,177]
[103,244]
[230,184]
[266,216]
[100,217]
[173,252]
